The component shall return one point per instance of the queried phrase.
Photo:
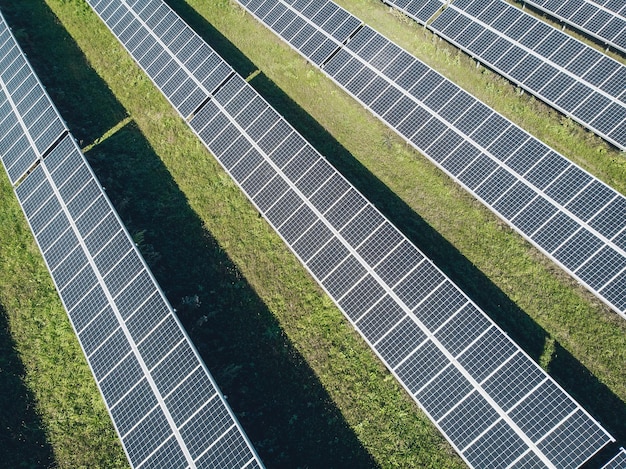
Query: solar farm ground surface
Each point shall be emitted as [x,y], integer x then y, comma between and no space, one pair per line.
[278,348]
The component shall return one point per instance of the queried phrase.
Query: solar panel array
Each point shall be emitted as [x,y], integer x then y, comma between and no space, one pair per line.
[605,22]
[493,403]
[566,73]
[617,462]
[571,216]
[163,402]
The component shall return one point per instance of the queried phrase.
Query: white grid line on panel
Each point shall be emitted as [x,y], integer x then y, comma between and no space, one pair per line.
[498,163]
[556,427]
[523,436]
[53,244]
[121,398]
[49,222]
[369,236]
[519,458]
[391,329]
[500,366]
[280,198]
[216,441]
[165,318]
[96,316]
[197,411]
[481,434]
[608,282]
[582,27]
[124,357]
[435,376]
[154,451]
[144,417]
[164,357]
[455,406]
[528,393]
[182,381]
[91,204]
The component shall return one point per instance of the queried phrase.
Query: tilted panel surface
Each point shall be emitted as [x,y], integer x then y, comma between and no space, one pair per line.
[578,221]
[567,74]
[163,402]
[420,324]
[604,22]
[29,123]
[618,461]
[616,6]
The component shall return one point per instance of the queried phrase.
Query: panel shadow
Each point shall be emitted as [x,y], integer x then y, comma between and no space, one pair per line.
[23,440]
[278,398]
[266,380]
[609,409]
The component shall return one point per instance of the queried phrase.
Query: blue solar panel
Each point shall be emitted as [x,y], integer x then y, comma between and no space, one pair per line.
[564,72]
[603,22]
[124,324]
[618,461]
[490,31]
[453,129]
[347,246]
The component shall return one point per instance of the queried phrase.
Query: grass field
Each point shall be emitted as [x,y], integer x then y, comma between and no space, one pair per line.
[307,390]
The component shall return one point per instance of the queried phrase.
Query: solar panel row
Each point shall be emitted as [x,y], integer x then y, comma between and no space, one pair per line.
[604,22]
[569,75]
[32,111]
[165,406]
[618,461]
[571,216]
[616,6]
[494,404]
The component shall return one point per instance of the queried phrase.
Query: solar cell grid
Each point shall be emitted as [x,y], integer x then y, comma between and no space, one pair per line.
[618,461]
[97,320]
[557,440]
[367,297]
[420,366]
[474,408]
[498,447]
[554,410]
[534,215]
[601,22]
[545,61]
[333,260]
[403,338]
[380,318]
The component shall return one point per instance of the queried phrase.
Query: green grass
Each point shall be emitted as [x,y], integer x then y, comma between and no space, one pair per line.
[295,372]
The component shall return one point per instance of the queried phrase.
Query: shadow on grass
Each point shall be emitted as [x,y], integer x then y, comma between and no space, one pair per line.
[278,398]
[23,440]
[280,402]
[571,374]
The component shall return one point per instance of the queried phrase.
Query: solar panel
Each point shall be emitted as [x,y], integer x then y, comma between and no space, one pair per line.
[603,22]
[164,404]
[618,461]
[515,170]
[564,72]
[407,310]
